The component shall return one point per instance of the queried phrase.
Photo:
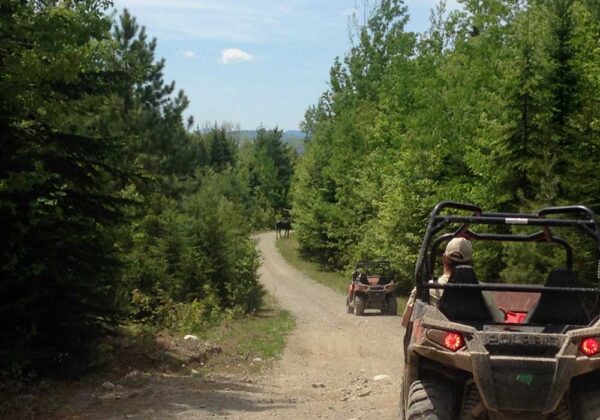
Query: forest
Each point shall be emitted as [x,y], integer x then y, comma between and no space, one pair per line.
[114,208]
[495,104]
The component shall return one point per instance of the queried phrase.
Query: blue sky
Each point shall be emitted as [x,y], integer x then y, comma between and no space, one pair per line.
[253,62]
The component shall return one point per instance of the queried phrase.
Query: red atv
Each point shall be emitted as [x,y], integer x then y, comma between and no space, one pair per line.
[372,287]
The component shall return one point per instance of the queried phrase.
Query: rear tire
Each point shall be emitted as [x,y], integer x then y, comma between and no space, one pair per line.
[429,400]
[360,303]
[392,305]
[587,405]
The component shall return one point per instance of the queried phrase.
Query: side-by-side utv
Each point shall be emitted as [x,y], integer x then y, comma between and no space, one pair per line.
[542,361]
[372,287]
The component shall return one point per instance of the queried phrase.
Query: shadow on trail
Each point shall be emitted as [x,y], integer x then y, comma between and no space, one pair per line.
[177,397]
[373,314]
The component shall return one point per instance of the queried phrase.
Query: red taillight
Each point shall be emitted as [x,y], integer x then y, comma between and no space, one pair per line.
[589,346]
[453,341]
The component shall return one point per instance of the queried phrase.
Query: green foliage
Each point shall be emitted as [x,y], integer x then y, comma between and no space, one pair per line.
[495,104]
[161,311]
[265,168]
[220,148]
[112,209]
[58,171]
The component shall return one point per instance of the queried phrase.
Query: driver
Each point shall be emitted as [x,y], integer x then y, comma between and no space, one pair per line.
[459,251]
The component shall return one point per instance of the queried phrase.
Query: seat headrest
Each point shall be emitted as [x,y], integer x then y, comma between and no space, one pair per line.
[560,277]
[559,308]
[464,304]
[463,274]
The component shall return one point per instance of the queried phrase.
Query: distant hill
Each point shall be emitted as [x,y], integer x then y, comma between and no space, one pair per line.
[295,138]
[293,134]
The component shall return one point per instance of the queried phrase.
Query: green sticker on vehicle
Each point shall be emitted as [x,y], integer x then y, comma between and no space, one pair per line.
[525,378]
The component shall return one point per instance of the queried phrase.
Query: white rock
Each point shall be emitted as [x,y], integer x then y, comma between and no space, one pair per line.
[190,337]
[194,372]
[108,385]
[380,378]
[134,374]
[257,360]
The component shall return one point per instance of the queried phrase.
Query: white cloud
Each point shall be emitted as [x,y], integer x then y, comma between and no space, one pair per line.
[234,54]
[187,54]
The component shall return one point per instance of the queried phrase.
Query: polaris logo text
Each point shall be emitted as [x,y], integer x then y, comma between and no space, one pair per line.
[524,339]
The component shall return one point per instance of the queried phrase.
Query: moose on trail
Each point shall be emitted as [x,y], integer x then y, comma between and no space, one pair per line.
[283,227]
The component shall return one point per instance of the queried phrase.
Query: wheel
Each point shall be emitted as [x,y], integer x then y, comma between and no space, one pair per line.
[587,404]
[392,305]
[360,303]
[349,308]
[429,400]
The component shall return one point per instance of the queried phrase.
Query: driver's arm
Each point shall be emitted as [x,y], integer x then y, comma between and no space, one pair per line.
[409,307]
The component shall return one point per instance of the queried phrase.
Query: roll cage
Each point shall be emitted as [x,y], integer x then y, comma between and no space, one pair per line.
[381,266]
[581,218]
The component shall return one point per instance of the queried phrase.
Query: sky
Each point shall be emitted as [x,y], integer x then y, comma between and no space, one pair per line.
[253,62]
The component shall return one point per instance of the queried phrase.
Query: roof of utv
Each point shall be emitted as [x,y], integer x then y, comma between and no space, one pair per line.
[384,264]
[578,218]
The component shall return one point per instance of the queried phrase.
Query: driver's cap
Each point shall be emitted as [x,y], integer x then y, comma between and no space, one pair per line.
[459,250]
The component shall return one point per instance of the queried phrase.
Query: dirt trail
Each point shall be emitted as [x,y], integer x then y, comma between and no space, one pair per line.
[331,348]
[326,372]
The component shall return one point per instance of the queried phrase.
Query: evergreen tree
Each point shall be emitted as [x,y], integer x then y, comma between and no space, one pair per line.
[58,201]
[275,166]
[221,148]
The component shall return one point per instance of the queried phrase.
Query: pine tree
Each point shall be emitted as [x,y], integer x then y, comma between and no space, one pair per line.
[58,197]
